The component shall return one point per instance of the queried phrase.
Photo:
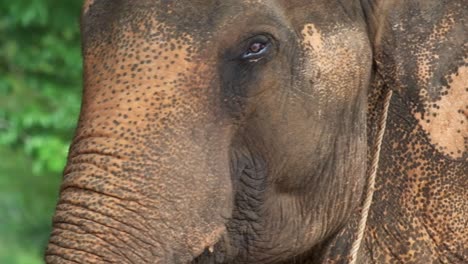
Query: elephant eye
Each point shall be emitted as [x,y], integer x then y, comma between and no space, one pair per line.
[257,48]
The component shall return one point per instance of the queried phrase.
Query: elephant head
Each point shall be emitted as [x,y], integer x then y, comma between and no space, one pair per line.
[214,131]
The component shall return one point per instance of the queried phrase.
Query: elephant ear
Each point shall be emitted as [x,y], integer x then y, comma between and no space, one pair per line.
[420,52]
[421,49]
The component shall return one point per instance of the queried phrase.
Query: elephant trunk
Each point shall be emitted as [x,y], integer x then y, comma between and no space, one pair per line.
[145,183]
[148,177]
[141,205]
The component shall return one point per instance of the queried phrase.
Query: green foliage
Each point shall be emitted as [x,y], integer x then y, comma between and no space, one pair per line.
[40,80]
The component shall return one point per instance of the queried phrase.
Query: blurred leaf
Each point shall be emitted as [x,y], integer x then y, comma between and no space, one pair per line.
[40,83]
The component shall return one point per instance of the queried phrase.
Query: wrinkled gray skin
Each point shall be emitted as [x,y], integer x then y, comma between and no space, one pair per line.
[226,131]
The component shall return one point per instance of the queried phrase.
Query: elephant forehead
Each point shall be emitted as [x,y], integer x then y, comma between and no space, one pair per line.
[144,78]
[144,56]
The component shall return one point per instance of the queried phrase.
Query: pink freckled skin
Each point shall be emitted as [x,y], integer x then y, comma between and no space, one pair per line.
[238,131]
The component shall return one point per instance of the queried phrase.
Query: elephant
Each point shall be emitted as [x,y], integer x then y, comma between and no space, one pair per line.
[240,131]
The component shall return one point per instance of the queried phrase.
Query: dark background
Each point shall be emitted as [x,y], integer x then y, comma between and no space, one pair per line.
[40,88]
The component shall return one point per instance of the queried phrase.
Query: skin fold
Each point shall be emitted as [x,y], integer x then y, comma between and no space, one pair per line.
[238,132]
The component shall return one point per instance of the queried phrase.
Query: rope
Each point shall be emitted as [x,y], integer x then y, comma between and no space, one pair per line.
[371,178]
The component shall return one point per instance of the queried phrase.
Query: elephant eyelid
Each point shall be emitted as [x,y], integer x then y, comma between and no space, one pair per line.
[255,55]
[257,48]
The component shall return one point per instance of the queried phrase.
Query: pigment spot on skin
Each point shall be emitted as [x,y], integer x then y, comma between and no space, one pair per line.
[312,37]
[427,56]
[149,78]
[446,120]
[419,207]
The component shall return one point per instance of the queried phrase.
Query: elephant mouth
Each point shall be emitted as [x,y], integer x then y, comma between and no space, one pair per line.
[248,174]
[208,256]
[218,252]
